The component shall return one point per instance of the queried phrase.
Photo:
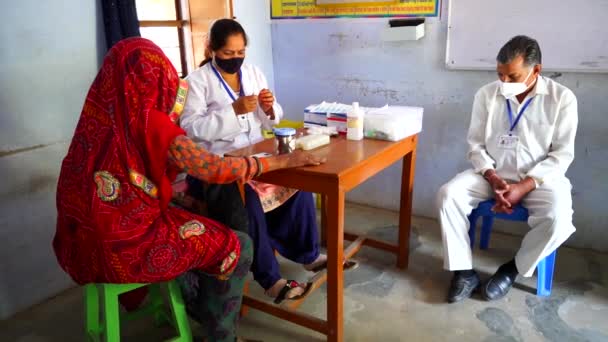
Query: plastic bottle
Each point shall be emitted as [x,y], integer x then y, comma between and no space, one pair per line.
[354,123]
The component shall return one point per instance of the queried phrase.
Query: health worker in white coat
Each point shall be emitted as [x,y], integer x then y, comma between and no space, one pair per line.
[228,105]
[521,142]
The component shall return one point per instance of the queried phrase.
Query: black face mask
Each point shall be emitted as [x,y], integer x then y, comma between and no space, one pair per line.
[231,65]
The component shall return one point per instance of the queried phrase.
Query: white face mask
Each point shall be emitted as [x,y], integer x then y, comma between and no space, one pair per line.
[511,89]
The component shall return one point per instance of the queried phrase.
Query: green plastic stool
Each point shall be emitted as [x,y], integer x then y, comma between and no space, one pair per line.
[109,324]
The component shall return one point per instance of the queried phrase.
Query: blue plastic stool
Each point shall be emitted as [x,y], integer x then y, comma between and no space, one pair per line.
[545,267]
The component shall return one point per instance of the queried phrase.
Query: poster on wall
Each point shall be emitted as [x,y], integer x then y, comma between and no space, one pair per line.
[356,2]
[309,9]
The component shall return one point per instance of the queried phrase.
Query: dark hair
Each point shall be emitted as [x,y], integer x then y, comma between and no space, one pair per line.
[219,33]
[523,46]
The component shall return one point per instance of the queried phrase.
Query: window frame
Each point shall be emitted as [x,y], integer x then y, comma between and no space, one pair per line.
[183,24]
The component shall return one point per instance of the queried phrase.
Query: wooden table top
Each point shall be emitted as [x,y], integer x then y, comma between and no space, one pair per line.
[343,156]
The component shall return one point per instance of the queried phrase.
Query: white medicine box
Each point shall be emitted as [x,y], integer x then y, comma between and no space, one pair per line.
[404,29]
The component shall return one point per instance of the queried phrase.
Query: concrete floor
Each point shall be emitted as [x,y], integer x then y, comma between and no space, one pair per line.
[383,303]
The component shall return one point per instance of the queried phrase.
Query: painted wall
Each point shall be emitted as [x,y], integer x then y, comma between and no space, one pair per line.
[48,59]
[345,60]
[254,15]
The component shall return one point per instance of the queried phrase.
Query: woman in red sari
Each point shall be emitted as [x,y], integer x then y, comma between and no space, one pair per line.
[115,223]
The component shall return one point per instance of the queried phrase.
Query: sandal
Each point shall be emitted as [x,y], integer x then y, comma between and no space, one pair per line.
[291,284]
[348,265]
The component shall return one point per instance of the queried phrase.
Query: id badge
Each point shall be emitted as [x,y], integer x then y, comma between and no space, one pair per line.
[508,142]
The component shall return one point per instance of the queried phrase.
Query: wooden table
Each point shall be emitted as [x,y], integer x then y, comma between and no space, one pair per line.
[349,163]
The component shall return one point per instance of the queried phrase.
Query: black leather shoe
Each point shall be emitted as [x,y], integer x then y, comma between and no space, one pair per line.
[499,284]
[462,287]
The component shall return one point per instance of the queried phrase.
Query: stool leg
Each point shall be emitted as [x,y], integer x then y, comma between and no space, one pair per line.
[472,228]
[156,302]
[486,229]
[111,314]
[91,297]
[179,313]
[544,270]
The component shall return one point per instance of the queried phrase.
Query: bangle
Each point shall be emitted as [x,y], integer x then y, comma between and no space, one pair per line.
[259,164]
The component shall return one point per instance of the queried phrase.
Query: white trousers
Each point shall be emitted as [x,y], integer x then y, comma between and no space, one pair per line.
[550,219]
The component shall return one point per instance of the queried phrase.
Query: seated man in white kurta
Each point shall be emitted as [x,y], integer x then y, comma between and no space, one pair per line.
[521,142]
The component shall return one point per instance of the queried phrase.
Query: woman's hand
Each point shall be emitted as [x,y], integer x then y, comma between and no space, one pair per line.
[245,104]
[266,101]
[295,159]
[300,158]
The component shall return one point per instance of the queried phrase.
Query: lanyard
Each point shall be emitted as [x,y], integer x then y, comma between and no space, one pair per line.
[228,90]
[521,112]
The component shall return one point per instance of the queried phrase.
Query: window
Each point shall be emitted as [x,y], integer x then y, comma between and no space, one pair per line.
[179,27]
[162,21]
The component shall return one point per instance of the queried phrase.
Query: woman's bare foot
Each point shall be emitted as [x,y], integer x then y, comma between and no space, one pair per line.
[279,285]
[321,259]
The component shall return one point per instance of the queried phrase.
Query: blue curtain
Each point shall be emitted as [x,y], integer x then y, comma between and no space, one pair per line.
[120,20]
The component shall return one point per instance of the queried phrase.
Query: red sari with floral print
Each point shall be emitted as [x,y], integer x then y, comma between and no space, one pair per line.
[114,221]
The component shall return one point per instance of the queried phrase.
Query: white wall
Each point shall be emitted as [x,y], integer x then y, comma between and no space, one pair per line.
[254,15]
[49,57]
[344,60]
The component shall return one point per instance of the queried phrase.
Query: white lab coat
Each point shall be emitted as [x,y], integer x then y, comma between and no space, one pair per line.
[546,133]
[209,119]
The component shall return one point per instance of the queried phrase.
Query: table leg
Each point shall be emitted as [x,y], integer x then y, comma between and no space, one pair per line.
[244,308]
[335,272]
[405,211]
[323,219]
